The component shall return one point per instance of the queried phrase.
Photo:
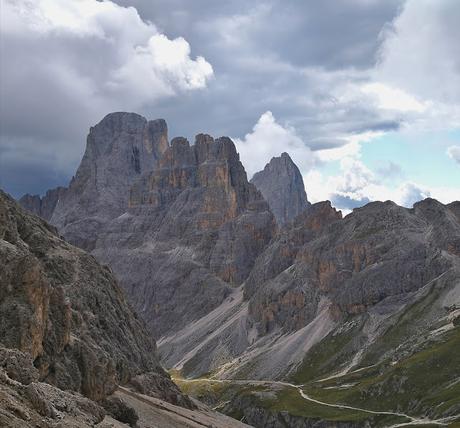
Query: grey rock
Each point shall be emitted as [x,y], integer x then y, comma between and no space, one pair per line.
[119,149]
[378,251]
[180,225]
[193,230]
[120,411]
[67,312]
[281,184]
[43,206]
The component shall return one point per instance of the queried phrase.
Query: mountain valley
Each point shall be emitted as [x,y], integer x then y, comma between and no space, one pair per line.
[265,307]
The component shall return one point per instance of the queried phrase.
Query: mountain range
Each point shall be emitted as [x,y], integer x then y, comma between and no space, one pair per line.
[268,308]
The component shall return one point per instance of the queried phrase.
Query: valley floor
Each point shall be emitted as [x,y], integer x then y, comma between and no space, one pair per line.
[276,397]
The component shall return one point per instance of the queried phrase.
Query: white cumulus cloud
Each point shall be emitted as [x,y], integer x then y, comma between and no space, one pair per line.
[94,53]
[269,139]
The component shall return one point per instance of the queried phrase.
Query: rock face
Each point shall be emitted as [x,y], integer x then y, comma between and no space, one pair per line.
[119,149]
[193,230]
[378,251]
[179,224]
[282,186]
[66,312]
[316,275]
[43,207]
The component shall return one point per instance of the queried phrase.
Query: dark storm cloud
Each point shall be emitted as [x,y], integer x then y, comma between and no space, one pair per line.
[260,51]
[330,33]
[291,58]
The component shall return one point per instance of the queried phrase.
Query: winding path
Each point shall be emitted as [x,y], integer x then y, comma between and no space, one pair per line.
[411,419]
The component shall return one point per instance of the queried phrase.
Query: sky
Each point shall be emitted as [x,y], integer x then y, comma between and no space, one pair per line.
[363,94]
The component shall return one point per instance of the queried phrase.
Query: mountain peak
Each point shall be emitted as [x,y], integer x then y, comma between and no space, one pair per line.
[281,184]
[119,149]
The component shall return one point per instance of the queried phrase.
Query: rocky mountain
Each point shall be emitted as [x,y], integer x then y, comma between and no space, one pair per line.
[43,206]
[69,339]
[119,150]
[281,184]
[193,230]
[356,312]
[309,320]
[179,231]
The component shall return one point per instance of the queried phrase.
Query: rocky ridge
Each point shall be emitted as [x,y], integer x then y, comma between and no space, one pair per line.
[66,311]
[68,337]
[43,206]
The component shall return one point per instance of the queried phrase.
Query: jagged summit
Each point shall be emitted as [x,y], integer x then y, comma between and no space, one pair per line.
[281,184]
[211,165]
[119,149]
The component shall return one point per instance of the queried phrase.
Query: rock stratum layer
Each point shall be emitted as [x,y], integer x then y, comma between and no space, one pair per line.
[307,298]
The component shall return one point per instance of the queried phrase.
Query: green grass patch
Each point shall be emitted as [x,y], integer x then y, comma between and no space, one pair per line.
[402,329]
[418,385]
[327,356]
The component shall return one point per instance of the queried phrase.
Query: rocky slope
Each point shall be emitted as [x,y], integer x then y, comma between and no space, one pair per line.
[68,337]
[357,310]
[281,184]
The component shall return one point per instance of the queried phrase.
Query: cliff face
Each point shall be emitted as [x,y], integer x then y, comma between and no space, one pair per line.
[378,251]
[193,230]
[119,149]
[281,184]
[179,224]
[66,312]
[43,207]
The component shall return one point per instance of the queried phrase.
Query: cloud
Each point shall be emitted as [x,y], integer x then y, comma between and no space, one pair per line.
[393,98]
[357,185]
[409,193]
[268,139]
[107,50]
[454,153]
[420,52]
[418,68]
[333,87]
[389,169]
[348,203]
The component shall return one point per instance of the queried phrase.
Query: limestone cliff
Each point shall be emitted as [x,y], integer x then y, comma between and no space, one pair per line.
[66,312]
[193,230]
[43,206]
[282,186]
[119,149]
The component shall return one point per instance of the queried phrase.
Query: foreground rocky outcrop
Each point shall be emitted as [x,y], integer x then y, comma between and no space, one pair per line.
[66,311]
[281,184]
[68,337]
